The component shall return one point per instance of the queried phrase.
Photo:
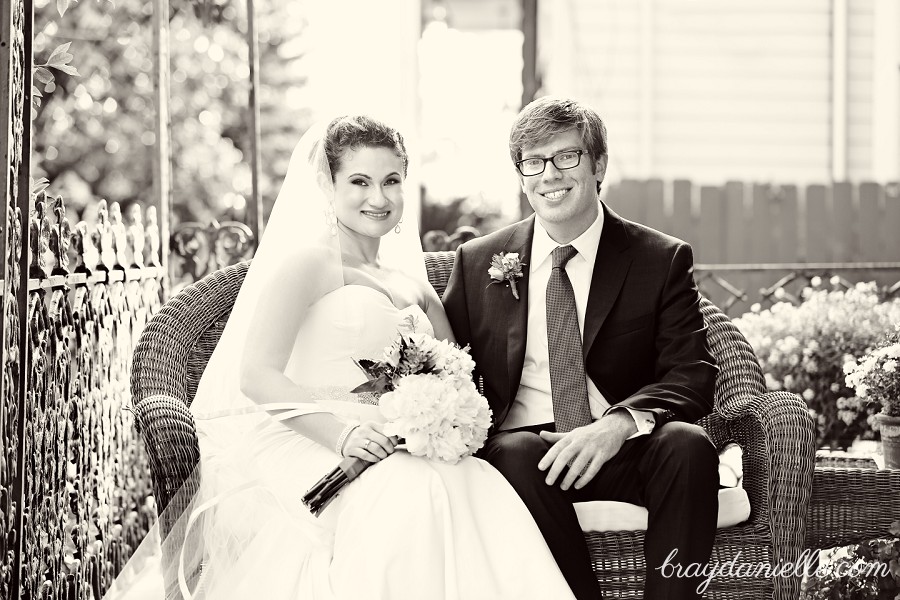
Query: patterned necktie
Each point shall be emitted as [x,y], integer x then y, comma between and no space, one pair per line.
[568,385]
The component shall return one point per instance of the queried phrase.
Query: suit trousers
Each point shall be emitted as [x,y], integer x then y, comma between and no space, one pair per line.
[673,472]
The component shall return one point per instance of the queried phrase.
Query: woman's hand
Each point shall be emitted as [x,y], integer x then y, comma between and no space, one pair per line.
[369,443]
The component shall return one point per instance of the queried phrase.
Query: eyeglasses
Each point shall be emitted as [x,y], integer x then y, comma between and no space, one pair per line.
[567,159]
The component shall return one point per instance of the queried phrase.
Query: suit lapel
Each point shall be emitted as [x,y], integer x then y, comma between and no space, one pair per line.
[516,315]
[610,268]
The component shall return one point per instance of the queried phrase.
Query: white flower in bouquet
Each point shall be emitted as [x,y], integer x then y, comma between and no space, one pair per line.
[451,361]
[439,418]
[392,354]
[425,392]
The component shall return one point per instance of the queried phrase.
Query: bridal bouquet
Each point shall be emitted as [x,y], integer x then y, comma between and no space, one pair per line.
[426,394]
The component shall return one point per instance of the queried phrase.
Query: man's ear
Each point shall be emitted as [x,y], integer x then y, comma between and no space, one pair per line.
[600,167]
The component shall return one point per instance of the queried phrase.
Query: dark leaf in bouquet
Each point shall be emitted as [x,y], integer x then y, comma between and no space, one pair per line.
[369,367]
[378,385]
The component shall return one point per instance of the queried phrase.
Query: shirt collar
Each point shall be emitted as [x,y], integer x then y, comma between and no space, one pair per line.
[542,245]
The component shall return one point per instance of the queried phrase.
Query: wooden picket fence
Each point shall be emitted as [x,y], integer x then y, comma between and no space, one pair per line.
[750,240]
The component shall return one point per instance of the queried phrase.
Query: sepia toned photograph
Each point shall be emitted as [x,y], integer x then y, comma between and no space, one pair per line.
[450,300]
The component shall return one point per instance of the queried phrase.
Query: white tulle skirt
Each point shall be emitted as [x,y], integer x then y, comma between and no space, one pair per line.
[406,528]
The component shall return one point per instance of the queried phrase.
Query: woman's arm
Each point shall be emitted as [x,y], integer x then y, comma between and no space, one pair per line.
[434,309]
[280,312]
[270,341]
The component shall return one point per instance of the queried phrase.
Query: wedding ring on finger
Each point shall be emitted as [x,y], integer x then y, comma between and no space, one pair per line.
[368,446]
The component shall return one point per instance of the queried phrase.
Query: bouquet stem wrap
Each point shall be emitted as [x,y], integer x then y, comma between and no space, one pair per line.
[326,489]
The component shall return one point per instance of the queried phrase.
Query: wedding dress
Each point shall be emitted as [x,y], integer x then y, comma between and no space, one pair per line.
[408,527]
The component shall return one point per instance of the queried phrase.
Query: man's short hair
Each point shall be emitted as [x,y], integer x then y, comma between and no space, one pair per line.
[547,116]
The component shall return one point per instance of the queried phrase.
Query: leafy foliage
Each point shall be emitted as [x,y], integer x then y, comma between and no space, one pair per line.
[876,376]
[59,59]
[94,114]
[869,571]
[803,349]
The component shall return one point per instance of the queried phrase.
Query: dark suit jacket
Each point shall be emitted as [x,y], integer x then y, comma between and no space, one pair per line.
[644,338]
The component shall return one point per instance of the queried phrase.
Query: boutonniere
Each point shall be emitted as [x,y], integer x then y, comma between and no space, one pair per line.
[506,268]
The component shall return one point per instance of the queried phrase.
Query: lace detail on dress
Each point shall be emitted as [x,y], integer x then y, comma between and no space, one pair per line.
[336,393]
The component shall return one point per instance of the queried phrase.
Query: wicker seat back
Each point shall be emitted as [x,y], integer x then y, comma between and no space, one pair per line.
[774,430]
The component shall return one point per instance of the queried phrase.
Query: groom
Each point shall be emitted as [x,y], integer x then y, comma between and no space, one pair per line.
[596,372]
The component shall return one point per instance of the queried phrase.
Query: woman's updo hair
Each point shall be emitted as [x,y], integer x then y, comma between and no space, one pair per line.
[353,132]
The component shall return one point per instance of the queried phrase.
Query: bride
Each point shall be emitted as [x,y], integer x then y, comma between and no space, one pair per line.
[337,274]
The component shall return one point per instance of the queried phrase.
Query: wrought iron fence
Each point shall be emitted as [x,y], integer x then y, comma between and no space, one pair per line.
[15,82]
[199,249]
[86,496]
[75,493]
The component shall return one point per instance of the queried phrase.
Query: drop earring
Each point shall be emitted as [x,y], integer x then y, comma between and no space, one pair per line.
[331,219]
[397,228]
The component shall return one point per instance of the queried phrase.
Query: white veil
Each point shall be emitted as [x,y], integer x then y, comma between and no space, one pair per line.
[302,221]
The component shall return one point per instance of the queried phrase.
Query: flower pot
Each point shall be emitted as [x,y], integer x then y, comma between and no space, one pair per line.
[890,440]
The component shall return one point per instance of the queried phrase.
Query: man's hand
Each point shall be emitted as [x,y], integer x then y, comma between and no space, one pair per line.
[585,449]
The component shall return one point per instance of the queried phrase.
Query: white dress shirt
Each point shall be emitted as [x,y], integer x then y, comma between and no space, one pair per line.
[533,404]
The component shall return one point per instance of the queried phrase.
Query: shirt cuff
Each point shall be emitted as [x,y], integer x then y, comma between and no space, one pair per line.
[645,420]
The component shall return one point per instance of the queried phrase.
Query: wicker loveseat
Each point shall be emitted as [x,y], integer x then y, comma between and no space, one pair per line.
[773,429]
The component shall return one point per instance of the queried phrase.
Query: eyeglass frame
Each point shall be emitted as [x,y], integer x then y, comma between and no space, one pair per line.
[552,159]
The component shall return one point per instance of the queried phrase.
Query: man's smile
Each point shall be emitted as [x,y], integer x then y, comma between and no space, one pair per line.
[556,194]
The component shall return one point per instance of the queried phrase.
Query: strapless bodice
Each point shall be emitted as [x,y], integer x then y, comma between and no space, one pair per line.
[352,322]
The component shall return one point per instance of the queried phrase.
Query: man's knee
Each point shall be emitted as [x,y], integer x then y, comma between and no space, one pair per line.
[686,443]
[516,454]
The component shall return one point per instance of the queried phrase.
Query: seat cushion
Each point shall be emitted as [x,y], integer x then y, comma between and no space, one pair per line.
[734,508]
[734,505]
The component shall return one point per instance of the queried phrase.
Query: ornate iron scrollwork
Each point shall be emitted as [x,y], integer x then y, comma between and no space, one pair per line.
[205,248]
[10,403]
[88,494]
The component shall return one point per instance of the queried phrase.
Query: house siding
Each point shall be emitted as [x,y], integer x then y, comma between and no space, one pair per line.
[718,90]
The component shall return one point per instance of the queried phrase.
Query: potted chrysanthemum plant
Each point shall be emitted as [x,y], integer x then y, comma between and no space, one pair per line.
[876,377]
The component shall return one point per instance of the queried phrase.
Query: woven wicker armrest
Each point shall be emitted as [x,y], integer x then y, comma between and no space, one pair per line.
[776,434]
[170,438]
[161,357]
